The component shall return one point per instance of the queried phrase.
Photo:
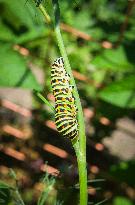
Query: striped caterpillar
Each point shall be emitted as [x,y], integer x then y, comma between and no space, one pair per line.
[65,108]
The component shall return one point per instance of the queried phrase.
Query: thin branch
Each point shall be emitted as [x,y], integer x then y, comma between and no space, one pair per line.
[101,202]
[45,101]
[84,36]
[44,12]
[16,193]
[19,198]
[75,32]
[123,28]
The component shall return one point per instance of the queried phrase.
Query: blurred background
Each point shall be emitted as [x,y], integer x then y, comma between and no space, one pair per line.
[99,36]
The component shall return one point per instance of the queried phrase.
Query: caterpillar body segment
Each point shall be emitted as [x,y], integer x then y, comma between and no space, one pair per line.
[65,108]
[63,99]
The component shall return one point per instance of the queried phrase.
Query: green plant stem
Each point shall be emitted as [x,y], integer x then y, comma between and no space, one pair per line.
[81,160]
[79,146]
[44,12]
[15,190]
[45,193]
[45,101]
[18,197]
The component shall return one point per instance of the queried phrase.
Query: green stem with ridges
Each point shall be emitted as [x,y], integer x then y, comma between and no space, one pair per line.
[79,146]
[44,12]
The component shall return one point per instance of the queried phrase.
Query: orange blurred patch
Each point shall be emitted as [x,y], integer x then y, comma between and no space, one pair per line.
[13,131]
[75,32]
[82,35]
[50,97]
[16,108]
[88,113]
[108,194]
[79,76]
[50,124]
[50,170]
[84,78]
[99,146]
[39,186]
[23,51]
[13,153]
[107,44]
[4,170]
[94,169]
[130,192]
[91,190]
[56,151]
[104,121]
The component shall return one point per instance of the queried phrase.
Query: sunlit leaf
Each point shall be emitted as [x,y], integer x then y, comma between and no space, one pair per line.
[113,59]
[121,93]
[14,71]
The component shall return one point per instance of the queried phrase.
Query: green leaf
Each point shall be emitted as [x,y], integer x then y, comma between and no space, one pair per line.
[81,21]
[14,71]
[113,59]
[32,35]
[6,33]
[19,13]
[120,93]
[130,34]
[119,200]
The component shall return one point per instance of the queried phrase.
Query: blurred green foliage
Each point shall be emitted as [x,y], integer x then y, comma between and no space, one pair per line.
[122,201]
[21,23]
[124,172]
[111,71]
[10,194]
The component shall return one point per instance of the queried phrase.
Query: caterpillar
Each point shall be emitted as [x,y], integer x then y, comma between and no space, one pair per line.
[65,108]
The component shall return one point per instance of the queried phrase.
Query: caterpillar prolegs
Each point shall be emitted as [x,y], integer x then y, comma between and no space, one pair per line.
[65,108]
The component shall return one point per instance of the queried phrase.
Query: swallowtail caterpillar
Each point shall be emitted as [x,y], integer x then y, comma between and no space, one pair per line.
[65,108]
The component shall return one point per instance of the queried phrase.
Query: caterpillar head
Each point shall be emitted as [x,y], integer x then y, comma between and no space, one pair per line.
[59,61]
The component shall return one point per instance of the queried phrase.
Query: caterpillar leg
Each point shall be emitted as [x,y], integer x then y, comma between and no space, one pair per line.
[76,108]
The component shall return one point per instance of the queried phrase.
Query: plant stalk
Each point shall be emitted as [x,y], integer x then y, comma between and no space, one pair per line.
[45,101]
[44,12]
[19,198]
[79,146]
